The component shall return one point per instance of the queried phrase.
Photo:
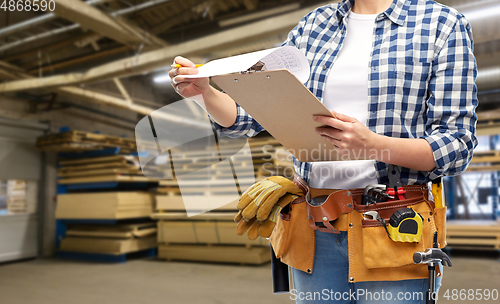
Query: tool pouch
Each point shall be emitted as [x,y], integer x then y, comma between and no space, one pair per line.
[324,217]
[373,256]
[293,240]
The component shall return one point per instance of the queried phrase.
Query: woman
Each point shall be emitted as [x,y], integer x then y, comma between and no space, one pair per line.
[399,76]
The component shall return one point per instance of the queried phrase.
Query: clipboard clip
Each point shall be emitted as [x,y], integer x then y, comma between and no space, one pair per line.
[258,67]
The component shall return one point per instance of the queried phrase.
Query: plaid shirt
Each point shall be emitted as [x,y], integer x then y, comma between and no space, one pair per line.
[421,80]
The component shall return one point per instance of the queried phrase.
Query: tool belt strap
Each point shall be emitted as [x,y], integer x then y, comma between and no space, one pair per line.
[339,202]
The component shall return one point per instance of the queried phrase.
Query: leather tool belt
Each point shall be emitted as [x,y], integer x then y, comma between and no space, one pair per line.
[373,256]
[322,217]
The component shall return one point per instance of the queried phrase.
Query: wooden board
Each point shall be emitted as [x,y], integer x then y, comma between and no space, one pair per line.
[104,205]
[115,164]
[77,141]
[94,160]
[122,231]
[487,168]
[214,215]
[174,202]
[203,232]
[100,172]
[277,100]
[218,254]
[106,246]
[473,234]
[105,178]
[468,225]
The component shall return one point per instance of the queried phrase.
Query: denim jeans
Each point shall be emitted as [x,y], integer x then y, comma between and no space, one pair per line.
[329,281]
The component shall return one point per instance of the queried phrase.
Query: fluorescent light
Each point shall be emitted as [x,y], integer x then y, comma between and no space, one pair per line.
[482,13]
[487,73]
[161,79]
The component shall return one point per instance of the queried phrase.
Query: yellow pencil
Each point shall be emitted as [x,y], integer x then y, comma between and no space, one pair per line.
[180,66]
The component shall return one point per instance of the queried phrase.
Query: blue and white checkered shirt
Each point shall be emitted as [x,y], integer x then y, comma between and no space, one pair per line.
[421,80]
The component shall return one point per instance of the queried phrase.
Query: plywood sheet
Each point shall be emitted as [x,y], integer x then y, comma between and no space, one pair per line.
[219,254]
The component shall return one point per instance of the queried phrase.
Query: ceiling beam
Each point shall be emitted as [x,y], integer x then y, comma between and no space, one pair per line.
[79,60]
[101,98]
[7,69]
[153,60]
[46,48]
[92,18]
[251,4]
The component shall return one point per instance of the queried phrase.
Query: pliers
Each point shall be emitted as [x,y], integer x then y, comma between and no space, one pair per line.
[395,186]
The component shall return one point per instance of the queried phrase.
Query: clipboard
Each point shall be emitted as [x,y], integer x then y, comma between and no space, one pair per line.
[282,105]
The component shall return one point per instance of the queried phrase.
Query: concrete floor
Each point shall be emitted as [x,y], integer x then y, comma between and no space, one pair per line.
[52,281]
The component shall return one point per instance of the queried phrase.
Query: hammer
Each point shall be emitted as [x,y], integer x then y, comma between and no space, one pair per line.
[432,257]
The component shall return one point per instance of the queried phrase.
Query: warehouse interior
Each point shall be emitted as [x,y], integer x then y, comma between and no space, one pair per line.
[81,221]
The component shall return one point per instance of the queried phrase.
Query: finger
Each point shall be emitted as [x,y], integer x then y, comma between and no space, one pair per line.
[266,207]
[243,226]
[184,61]
[343,117]
[238,217]
[181,86]
[266,229]
[330,132]
[172,73]
[336,143]
[330,121]
[253,231]
[186,71]
[179,79]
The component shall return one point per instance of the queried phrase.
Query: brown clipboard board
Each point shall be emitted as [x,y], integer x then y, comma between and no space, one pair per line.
[283,106]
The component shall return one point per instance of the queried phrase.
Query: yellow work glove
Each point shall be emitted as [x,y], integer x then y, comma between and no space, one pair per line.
[263,228]
[267,227]
[259,200]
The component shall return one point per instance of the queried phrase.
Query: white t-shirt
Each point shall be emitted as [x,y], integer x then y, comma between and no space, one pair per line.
[346,92]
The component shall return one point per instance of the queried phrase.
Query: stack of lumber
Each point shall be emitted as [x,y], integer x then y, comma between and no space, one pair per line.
[103,202]
[214,181]
[485,161]
[211,236]
[16,196]
[473,235]
[110,239]
[104,205]
[115,168]
[208,237]
[488,123]
[78,141]
[262,158]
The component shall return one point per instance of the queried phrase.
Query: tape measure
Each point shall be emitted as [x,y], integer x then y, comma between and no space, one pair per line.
[405,225]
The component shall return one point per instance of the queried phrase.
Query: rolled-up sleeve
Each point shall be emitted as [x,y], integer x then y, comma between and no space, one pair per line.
[451,117]
[244,125]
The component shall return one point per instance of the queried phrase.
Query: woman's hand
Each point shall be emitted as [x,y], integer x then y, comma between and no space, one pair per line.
[352,139]
[221,107]
[188,87]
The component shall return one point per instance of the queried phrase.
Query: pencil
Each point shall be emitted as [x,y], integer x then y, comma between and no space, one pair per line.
[180,66]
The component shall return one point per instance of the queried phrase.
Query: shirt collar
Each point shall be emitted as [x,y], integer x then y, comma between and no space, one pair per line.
[396,12]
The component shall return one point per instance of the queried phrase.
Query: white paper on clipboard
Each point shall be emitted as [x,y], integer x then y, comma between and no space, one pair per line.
[285,57]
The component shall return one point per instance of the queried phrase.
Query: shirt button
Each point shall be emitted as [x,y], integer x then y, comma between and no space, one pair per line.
[324,67]
[342,31]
